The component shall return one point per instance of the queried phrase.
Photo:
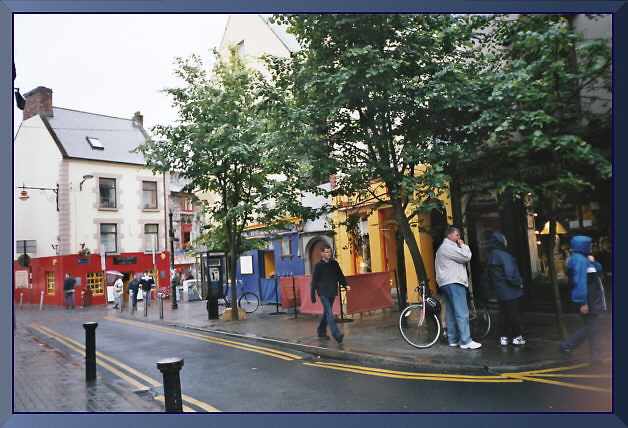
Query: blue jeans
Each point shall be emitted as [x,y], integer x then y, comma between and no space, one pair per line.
[590,330]
[328,317]
[69,299]
[457,314]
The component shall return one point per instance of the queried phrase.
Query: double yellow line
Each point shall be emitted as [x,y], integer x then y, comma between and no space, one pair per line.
[226,342]
[101,360]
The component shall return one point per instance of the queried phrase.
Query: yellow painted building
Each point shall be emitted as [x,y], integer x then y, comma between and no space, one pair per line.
[376,248]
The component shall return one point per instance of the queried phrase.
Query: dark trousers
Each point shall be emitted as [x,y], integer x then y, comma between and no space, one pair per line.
[590,330]
[508,318]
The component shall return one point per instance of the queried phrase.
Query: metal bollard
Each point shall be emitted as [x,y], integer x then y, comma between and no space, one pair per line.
[170,368]
[21,299]
[90,350]
[145,305]
[131,307]
[41,301]
[160,299]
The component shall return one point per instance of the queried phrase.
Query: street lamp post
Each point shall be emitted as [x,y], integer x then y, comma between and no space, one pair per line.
[173,285]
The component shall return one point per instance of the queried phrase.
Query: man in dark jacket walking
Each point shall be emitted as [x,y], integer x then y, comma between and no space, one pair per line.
[134,288]
[325,278]
[505,279]
[147,282]
[68,287]
[588,294]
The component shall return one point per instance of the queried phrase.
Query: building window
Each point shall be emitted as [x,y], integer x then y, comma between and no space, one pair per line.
[107,192]
[108,237]
[95,143]
[284,246]
[240,49]
[95,282]
[50,282]
[186,204]
[149,194]
[151,233]
[186,234]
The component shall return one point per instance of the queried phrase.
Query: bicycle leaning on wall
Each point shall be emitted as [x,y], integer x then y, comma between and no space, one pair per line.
[247,300]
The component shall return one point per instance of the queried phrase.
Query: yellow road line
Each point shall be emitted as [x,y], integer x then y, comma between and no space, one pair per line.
[244,346]
[185,408]
[554,382]
[414,376]
[584,376]
[104,357]
[80,348]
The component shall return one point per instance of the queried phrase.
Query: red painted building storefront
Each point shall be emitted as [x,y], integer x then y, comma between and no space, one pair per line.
[48,273]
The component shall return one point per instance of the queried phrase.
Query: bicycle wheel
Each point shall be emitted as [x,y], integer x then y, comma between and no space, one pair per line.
[479,320]
[419,329]
[249,302]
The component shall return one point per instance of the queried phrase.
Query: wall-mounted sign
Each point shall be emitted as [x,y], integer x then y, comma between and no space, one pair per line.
[246,265]
[119,260]
[21,279]
[83,261]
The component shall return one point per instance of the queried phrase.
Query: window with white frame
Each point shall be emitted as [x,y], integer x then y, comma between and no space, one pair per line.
[107,192]
[108,237]
[149,194]
[151,233]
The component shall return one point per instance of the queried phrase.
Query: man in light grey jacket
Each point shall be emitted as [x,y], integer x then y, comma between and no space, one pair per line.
[451,276]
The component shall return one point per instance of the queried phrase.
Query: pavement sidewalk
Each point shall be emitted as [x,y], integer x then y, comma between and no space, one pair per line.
[374,338]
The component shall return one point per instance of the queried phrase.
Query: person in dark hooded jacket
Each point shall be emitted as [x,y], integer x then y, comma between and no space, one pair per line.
[505,279]
[588,294]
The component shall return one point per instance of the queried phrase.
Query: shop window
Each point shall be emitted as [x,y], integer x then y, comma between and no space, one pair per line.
[149,194]
[107,188]
[50,282]
[95,283]
[108,237]
[151,234]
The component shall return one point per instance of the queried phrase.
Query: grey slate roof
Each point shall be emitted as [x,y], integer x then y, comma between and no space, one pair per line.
[118,136]
[289,41]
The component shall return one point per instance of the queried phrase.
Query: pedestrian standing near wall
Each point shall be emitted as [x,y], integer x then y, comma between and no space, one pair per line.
[68,287]
[505,279]
[134,288]
[325,278]
[451,275]
[118,289]
[588,294]
[147,282]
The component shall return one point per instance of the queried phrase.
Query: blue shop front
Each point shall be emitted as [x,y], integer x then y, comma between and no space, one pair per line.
[259,270]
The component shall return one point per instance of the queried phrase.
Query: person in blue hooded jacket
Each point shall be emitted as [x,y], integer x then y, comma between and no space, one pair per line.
[588,294]
[505,279]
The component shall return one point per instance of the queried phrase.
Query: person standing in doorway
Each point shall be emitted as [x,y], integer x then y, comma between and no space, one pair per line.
[325,278]
[451,276]
[147,282]
[134,288]
[505,279]
[588,294]
[118,289]
[68,287]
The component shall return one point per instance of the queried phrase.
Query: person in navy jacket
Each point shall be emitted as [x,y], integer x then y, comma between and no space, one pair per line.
[505,279]
[588,294]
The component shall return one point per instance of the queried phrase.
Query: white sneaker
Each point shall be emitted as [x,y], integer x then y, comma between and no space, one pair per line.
[453,344]
[503,341]
[519,340]
[471,345]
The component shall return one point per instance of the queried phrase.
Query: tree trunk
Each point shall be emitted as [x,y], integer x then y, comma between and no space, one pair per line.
[560,325]
[402,283]
[232,275]
[410,240]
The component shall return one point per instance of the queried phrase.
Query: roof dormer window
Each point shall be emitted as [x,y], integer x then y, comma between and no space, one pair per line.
[95,143]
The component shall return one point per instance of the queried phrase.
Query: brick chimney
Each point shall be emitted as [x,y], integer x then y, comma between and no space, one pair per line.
[38,101]
[138,119]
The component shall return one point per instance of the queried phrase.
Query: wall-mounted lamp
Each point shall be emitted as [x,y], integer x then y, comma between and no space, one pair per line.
[559,229]
[85,177]
[24,194]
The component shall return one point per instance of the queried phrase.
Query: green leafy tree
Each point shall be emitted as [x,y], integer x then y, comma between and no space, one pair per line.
[223,146]
[550,115]
[371,96]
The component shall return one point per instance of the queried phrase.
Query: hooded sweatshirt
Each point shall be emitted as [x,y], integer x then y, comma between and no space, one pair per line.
[579,268]
[502,269]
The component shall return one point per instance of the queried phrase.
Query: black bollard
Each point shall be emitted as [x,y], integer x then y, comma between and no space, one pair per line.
[170,368]
[90,350]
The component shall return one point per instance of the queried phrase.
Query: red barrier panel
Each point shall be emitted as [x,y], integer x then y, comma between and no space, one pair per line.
[302,284]
[288,291]
[369,291]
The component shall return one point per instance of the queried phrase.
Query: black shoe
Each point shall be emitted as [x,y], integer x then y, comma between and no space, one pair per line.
[323,336]
[565,353]
[339,338]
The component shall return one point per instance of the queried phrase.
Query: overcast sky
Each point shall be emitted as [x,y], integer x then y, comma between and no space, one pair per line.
[110,64]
